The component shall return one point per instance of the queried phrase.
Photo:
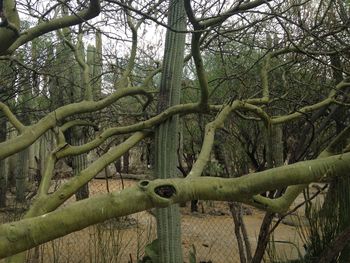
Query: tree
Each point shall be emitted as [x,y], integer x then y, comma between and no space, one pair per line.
[284,67]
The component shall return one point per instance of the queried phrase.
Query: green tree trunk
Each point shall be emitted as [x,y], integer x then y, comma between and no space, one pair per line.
[168,219]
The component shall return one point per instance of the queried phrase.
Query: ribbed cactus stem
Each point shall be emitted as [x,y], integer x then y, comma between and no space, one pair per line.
[21,174]
[97,70]
[168,219]
[22,171]
[3,183]
[78,136]
[90,57]
[3,176]
[79,162]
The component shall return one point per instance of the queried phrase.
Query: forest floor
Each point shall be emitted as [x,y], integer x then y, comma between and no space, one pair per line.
[209,232]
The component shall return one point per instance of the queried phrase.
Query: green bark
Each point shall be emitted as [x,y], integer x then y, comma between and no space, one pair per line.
[31,133]
[168,219]
[22,235]
[46,203]
[49,203]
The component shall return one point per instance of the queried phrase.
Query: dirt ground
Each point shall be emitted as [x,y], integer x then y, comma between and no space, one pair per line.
[211,234]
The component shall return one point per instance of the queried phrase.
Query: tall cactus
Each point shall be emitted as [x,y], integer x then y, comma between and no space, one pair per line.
[3,176]
[78,135]
[22,169]
[97,69]
[4,73]
[79,162]
[21,174]
[168,219]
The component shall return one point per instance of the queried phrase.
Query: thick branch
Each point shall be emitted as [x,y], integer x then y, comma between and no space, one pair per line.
[338,144]
[211,128]
[31,133]
[123,81]
[71,186]
[201,73]
[301,112]
[144,125]
[286,118]
[240,7]
[208,140]
[282,203]
[22,235]
[12,118]
[92,11]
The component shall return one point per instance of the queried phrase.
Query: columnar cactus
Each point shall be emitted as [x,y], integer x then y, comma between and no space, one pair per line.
[168,219]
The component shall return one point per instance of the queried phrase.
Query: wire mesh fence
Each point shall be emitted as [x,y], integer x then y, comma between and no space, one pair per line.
[208,233]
